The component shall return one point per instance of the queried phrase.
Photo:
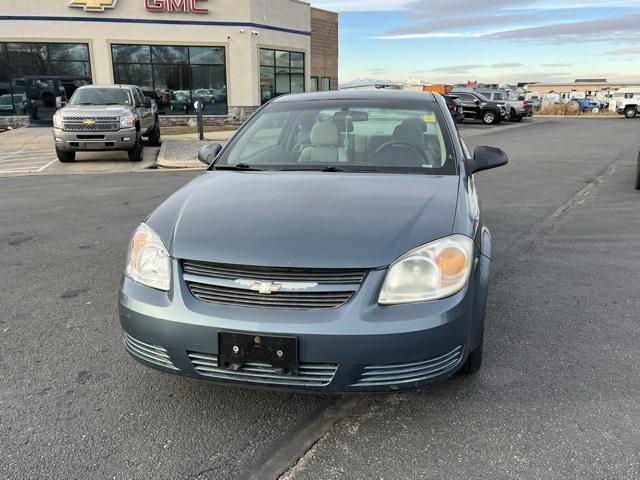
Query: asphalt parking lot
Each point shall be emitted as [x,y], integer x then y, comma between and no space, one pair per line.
[558,396]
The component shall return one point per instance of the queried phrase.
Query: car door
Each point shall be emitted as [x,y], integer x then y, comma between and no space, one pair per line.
[468,104]
[146,115]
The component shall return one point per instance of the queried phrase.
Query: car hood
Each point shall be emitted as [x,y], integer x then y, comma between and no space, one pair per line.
[96,110]
[306,219]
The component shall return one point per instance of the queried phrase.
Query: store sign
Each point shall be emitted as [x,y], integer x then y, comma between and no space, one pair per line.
[176,6]
[93,5]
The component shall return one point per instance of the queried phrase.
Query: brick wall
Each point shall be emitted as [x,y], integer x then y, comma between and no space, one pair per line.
[324,45]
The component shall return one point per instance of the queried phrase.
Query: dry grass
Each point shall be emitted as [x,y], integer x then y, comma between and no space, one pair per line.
[207,128]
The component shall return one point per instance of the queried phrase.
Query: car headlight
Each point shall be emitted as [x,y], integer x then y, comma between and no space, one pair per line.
[436,270]
[148,261]
[128,121]
[57,121]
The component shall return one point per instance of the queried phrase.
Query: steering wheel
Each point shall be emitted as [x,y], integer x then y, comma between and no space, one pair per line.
[410,146]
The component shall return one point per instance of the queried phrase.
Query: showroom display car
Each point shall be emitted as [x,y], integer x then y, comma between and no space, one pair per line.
[335,244]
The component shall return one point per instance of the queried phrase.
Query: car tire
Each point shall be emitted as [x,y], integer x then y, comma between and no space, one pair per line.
[474,361]
[489,117]
[65,157]
[630,112]
[638,174]
[136,154]
[155,137]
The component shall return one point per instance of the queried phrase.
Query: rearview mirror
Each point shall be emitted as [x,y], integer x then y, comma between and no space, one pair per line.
[485,158]
[354,116]
[208,153]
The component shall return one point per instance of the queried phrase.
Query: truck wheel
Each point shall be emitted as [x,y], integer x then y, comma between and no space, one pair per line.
[65,157]
[136,154]
[630,112]
[155,138]
[638,174]
[488,117]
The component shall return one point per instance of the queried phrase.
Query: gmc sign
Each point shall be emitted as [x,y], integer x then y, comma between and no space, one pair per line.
[180,6]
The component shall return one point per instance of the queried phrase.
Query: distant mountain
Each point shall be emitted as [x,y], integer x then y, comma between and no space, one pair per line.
[361,82]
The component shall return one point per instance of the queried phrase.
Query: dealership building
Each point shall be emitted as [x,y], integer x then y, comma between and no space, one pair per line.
[233,54]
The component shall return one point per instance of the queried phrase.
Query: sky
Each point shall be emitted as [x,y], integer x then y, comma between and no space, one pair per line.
[493,41]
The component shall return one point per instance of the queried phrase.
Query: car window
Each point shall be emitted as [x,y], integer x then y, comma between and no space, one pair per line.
[374,137]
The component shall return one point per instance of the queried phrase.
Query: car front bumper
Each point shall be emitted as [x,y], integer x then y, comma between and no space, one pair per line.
[123,139]
[359,347]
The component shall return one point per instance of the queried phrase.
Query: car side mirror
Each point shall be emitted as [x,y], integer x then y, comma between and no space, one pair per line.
[485,158]
[208,153]
[59,102]
[476,101]
[147,102]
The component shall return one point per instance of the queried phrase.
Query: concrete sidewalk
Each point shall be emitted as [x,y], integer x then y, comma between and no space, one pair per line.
[181,151]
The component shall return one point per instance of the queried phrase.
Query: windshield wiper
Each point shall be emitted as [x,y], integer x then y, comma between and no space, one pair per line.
[240,166]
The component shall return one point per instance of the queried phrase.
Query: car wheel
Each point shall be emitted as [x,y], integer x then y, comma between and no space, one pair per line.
[630,112]
[488,118]
[638,174]
[65,157]
[155,138]
[474,361]
[136,154]
[516,118]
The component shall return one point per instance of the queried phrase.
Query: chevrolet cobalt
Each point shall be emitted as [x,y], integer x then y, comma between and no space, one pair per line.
[334,244]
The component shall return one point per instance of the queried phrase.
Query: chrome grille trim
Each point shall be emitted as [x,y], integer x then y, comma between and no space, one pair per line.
[393,374]
[147,352]
[309,374]
[275,274]
[249,298]
[103,124]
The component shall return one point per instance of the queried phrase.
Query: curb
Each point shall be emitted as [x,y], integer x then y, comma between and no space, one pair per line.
[163,162]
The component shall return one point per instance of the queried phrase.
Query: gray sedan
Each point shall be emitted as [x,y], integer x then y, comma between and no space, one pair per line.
[334,244]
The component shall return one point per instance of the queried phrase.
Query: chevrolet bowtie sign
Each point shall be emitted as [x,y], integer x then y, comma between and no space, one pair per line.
[93,5]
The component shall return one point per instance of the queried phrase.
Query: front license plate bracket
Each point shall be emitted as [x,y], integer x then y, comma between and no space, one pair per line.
[238,349]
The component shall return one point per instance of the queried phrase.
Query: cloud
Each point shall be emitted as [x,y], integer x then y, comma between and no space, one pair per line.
[459,22]
[612,28]
[506,65]
[624,51]
[456,68]
[555,65]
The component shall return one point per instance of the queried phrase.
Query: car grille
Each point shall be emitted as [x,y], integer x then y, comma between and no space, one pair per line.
[394,374]
[309,374]
[149,353]
[299,288]
[325,276]
[102,124]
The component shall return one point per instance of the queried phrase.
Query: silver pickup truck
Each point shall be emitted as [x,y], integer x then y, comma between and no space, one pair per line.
[101,118]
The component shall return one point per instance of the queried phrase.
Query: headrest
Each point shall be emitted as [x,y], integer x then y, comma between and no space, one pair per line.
[325,133]
[411,130]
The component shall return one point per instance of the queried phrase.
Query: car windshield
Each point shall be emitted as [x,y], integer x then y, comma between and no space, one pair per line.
[100,96]
[347,135]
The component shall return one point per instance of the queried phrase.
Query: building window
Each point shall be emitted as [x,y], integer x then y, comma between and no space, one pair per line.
[176,76]
[314,84]
[20,60]
[281,72]
[326,84]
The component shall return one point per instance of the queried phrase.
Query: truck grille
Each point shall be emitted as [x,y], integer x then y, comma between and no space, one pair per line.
[102,124]
[295,288]
[309,374]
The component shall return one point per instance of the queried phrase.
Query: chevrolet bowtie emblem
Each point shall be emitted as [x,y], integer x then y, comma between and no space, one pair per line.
[93,5]
[89,122]
[266,288]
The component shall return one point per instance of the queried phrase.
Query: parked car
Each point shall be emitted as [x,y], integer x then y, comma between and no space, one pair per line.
[356,264]
[638,174]
[455,107]
[477,106]
[516,109]
[627,102]
[12,104]
[100,118]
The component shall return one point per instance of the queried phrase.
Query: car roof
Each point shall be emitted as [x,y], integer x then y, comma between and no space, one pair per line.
[372,95]
[110,86]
